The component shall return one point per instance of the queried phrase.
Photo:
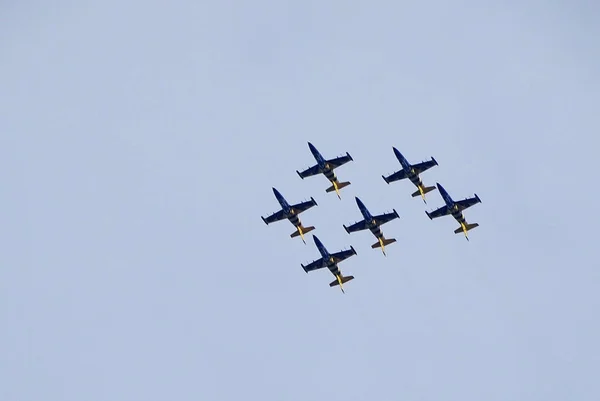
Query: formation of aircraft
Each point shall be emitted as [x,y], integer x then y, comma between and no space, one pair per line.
[369,221]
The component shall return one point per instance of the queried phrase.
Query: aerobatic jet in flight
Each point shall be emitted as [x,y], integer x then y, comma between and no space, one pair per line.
[455,208]
[373,223]
[412,171]
[331,260]
[291,213]
[326,168]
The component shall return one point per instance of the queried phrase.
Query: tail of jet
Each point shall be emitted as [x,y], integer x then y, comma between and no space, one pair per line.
[464,228]
[300,231]
[422,191]
[337,186]
[382,242]
[425,190]
[340,280]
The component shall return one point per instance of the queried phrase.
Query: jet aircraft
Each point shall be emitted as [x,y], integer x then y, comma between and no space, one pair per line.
[331,260]
[412,171]
[326,168]
[291,213]
[373,223]
[455,208]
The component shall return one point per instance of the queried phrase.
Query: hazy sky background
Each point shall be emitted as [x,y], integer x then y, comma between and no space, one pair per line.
[139,142]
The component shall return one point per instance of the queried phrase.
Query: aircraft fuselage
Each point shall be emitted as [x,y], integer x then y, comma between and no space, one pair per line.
[408,169]
[371,222]
[451,205]
[327,258]
[287,209]
[324,167]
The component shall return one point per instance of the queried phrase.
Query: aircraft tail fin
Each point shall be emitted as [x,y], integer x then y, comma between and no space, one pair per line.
[304,231]
[340,185]
[343,279]
[425,190]
[467,228]
[385,241]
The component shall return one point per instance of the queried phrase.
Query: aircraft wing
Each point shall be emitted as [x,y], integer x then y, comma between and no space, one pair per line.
[302,206]
[314,170]
[466,203]
[338,161]
[398,175]
[439,212]
[384,218]
[420,167]
[343,255]
[315,265]
[274,217]
[358,226]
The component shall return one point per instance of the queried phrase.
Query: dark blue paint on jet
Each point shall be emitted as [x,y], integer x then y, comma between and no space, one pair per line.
[326,168]
[330,260]
[291,213]
[455,208]
[373,223]
[412,171]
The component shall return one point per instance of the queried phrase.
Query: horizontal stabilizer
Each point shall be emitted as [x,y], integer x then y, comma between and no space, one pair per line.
[386,241]
[467,227]
[344,280]
[425,190]
[304,231]
[339,185]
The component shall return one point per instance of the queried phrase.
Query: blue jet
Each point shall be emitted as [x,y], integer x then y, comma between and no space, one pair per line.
[373,223]
[291,213]
[326,167]
[455,208]
[412,171]
[330,260]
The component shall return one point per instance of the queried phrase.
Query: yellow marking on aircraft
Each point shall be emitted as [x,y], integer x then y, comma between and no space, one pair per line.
[464,227]
[336,189]
[340,283]
[382,246]
[301,233]
[422,193]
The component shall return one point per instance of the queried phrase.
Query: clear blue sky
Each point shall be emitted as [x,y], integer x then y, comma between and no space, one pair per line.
[139,142]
